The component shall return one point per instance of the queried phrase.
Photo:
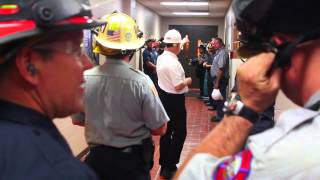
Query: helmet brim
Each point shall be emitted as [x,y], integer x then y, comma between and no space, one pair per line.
[16,30]
[123,46]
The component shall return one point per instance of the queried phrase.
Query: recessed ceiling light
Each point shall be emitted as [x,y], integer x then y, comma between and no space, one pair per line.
[191,13]
[184,3]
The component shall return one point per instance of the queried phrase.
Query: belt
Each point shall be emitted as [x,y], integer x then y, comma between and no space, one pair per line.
[127,149]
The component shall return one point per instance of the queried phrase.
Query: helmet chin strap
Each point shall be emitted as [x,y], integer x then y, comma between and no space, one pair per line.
[285,49]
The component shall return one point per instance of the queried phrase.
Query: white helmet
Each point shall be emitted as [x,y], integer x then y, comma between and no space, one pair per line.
[172,36]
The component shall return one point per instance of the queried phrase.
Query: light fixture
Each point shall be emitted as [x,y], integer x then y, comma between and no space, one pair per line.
[184,3]
[191,13]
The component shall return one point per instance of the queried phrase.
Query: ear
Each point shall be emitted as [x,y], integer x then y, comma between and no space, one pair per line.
[25,59]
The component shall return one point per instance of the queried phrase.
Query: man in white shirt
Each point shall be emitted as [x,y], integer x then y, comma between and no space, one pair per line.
[173,85]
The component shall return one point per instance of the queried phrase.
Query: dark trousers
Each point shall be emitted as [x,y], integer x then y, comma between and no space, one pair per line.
[171,143]
[220,103]
[201,82]
[210,89]
[119,164]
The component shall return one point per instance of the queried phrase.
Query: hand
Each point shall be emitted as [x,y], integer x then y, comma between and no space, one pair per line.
[188,81]
[257,89]
[185,40]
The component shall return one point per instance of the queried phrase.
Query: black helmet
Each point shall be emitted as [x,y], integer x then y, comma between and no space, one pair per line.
[262,18]
[25,18]
[259,20]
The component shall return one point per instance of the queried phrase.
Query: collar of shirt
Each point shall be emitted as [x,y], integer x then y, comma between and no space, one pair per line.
[286,123]
[314,102]
[24,115]
[171,54]
[117,61]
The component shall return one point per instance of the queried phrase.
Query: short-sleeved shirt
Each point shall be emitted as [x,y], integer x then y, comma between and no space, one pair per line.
[290,150]
[121,105]
[170,73]
[149,56]
[31,148]
[220,61]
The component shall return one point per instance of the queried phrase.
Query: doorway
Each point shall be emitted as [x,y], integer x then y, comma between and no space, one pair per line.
[195,33]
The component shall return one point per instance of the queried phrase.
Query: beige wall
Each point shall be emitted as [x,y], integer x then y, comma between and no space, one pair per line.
[147,20]
[166,21]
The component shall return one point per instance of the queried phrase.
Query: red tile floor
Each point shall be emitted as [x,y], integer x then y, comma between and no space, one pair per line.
[198,124]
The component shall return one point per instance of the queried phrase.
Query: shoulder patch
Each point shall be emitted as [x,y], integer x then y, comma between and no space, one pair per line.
[238,167]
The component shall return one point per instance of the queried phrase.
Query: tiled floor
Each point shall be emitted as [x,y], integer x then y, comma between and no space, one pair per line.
[198,118]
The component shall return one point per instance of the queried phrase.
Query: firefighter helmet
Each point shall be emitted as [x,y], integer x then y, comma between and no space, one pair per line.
[119,33]
[21,19]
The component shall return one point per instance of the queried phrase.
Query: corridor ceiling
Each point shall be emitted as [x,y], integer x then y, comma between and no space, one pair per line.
[216,8]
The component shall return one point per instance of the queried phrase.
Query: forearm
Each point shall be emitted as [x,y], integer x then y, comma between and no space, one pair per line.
[218,78]
[226,139]
[182,85]
[151,66]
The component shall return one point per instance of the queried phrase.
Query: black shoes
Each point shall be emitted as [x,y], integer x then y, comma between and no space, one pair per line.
[215,119]
[168,172]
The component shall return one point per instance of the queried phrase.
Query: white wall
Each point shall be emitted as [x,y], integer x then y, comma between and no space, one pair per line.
[147,20]
[103,7]
[166,21]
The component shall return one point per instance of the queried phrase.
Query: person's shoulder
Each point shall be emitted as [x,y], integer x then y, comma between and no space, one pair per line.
[139,75]
[13,136]
[91,71]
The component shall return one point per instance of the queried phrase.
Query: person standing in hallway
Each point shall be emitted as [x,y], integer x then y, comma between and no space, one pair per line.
[122,107]
[200,70]
[285,54]
[41,77]
[150,56]
[207,65]
[173,86]
[219,72]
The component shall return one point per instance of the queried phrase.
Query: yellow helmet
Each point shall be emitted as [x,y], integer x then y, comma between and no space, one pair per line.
[118,34]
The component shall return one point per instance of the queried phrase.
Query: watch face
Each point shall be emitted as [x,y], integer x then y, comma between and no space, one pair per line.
[231,104]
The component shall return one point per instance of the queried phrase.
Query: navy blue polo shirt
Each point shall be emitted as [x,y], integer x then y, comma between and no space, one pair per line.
[31,147]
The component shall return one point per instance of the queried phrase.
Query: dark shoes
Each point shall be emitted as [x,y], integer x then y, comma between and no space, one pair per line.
[215,119]
[168,172]
[211,108]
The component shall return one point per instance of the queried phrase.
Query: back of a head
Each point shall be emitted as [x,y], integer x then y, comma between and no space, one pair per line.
[172,37]
[259,20]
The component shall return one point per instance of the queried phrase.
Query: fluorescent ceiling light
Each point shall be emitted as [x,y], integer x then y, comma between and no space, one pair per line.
[184,3]
[191,13]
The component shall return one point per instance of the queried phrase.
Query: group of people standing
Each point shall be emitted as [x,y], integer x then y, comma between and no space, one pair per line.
[213,68]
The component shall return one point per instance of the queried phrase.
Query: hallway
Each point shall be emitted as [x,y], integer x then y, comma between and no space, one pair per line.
[198,125]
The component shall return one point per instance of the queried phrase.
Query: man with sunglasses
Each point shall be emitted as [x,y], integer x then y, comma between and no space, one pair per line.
[41,77]
[287,31]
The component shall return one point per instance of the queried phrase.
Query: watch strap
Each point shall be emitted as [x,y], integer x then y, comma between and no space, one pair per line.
[249,114]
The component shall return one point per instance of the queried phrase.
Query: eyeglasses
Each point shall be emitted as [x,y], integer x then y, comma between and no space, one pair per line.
[64,47]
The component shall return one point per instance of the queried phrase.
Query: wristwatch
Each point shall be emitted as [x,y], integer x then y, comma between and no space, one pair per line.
[234,106]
